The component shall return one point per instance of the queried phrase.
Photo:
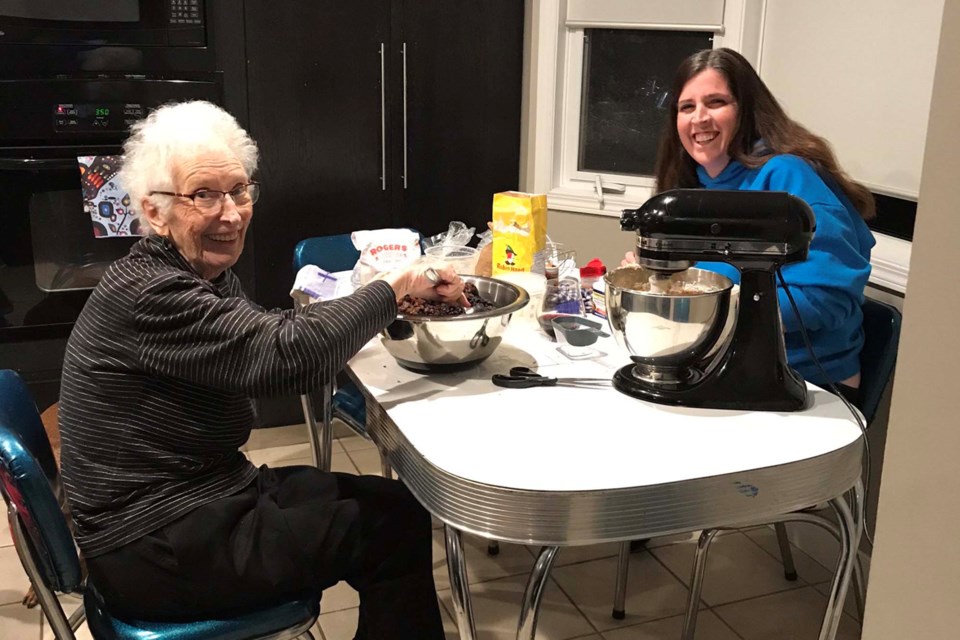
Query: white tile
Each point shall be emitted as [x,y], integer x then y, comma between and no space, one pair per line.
[512,560]
[816,542]
[574,555]
[663,541]
[338,462]
[69,602]
[356,443]
[277,437]
[737,569]
[6,538]
[339,625]
[317,632]
[279,456]
[450,631]
[791,615]
[709,627]
[652,592]
[16,621]
[13,579]
[808,569]
[849,606]
[367,461]
[496,609]
[338,597]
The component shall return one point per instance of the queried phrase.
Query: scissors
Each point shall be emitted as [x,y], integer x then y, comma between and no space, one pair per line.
[525,377]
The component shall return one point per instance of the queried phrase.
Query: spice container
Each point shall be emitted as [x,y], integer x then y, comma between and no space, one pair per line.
[590,275]
[599,298]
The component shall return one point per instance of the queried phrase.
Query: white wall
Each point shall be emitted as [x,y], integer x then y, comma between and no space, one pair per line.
[915,571]
[859,73]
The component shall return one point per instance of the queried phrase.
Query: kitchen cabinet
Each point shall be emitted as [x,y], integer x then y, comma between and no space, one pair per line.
[377,113]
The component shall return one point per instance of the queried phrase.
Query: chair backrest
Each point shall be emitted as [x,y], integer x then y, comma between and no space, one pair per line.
[881,328]
[330,253]
[27,489]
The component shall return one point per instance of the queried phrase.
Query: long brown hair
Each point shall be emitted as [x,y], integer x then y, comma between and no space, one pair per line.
[763,129]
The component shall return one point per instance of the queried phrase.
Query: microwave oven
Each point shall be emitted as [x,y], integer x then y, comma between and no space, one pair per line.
[109,23]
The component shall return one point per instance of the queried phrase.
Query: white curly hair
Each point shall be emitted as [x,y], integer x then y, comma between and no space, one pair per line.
[171,134]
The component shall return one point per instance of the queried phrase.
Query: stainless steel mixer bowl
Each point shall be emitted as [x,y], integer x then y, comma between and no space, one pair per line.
[665,331]
[453,343]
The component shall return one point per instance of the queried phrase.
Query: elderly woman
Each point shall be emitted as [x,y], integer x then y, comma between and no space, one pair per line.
[174,521]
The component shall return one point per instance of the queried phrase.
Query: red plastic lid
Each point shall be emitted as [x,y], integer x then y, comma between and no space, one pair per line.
[593,269]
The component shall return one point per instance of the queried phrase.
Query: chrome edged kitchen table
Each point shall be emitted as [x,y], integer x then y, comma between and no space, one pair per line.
[556,466]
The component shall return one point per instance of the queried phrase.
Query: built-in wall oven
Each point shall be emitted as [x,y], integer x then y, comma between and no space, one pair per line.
[73,78]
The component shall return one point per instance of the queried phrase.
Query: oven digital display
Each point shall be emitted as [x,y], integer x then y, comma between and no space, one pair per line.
[96,117]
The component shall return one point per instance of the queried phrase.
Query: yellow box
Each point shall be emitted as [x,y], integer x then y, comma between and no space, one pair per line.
[519,230]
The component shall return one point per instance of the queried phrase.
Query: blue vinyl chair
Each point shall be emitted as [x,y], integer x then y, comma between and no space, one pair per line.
[881,328]
[344,400]
[29,482]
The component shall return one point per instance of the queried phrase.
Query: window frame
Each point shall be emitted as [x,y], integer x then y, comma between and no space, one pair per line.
[552,103]
[553,154]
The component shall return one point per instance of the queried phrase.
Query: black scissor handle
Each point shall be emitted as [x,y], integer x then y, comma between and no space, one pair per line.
[522,381]
[524,372]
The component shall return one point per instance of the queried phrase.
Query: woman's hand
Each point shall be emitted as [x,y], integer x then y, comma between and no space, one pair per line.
[628,258]
[413,280]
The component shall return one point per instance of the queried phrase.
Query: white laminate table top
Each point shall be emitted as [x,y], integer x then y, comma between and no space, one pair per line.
[579,439]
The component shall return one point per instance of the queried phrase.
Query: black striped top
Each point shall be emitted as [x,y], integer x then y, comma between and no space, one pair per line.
[157,381]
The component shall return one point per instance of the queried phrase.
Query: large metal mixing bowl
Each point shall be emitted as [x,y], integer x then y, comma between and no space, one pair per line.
[665,333]
[453,343]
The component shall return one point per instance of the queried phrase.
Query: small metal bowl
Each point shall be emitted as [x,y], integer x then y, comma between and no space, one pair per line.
[428,344]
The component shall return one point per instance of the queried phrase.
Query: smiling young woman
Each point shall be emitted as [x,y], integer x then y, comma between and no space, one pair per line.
[727,131]
[707,120]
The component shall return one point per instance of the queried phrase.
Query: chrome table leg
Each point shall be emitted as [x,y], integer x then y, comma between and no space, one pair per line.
[620,587]
[320,432]
[696,583]
[786,554]
[533,595]
[312,430]
[326,427]
[459,585]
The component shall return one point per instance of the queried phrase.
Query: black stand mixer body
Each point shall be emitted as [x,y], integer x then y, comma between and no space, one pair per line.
[756,232]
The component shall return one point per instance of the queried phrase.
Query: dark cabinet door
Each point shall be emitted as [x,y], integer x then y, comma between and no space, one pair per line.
[316,108]
[462,108]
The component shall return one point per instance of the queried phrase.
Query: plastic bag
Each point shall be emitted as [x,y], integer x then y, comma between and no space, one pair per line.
[457,234]
[313,284]
[383,250]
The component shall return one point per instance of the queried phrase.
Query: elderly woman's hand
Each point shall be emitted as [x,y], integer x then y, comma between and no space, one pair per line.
[414,281]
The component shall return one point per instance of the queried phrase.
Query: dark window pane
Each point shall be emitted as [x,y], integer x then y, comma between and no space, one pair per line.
[626,83]
[895,217]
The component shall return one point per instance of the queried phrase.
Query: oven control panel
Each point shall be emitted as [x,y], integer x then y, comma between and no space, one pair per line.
[90,117]
[185,12]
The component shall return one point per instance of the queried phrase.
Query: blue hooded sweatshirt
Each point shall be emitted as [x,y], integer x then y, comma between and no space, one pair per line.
[828,285]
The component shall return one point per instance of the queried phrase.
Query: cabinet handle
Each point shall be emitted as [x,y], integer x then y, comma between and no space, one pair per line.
[383,121]
[404,51]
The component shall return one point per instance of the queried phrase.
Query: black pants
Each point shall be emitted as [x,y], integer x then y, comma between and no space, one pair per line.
[294,529]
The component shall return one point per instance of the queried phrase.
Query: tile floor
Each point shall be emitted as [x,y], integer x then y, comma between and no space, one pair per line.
[745,596]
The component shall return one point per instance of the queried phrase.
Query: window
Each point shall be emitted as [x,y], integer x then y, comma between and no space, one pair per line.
[626,95]
[599,83]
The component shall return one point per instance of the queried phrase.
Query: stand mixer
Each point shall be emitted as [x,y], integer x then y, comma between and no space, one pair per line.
[673,319]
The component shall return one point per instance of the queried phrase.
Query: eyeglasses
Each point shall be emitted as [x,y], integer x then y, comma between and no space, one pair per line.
[211,200]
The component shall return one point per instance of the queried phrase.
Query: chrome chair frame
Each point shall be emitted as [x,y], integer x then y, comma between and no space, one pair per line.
[882,328]
[331,253]
[46,550]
